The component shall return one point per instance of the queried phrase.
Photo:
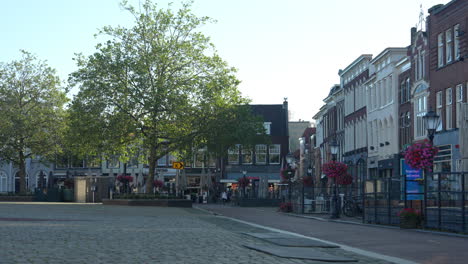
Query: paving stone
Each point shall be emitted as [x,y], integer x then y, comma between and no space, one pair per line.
[299,253]
[299,242]
[121,234]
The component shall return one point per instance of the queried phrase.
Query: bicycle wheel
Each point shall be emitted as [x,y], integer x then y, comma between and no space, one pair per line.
[348,209]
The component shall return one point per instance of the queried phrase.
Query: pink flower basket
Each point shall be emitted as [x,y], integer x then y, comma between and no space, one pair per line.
[421,155]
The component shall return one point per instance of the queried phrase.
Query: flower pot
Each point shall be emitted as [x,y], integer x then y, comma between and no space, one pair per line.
[409,222]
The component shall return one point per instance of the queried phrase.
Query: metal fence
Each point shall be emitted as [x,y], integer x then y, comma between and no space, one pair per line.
[319,200]
[442,198]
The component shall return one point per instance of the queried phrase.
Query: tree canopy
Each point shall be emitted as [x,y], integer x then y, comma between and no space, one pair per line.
[32,115]
[158,85]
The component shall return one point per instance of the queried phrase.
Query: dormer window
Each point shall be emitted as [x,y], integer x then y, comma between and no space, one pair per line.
[267,126]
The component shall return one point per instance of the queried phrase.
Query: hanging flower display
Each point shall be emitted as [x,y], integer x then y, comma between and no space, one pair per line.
[287,173]
[334,169]
[308,181]
[158,183]
[124,178]
[345,179]
[243,182]
[421,155]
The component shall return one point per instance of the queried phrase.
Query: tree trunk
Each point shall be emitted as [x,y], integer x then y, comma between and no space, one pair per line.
[22,172]
[152,169]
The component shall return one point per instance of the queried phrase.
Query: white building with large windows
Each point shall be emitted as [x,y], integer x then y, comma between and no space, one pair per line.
[382,113]
[352,79]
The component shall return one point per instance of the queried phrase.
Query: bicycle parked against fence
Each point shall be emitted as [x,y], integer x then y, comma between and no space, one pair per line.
[351,206]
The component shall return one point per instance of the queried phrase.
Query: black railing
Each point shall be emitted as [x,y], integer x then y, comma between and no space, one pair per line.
[442,198]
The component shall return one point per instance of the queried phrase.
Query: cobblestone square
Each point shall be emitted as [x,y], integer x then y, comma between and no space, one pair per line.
[74,233]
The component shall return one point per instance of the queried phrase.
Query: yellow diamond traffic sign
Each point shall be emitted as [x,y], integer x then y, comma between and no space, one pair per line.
[179,165]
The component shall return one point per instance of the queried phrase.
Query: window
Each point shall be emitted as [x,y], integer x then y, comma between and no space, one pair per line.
[233,155]
[246,155]
[439,108]
[171,159]
[3,182]
[402,92]
[440,49]
[41,182]
[274,154]
[260,154]
[163,161]
[448,109]
[420,111]
[113,162]
[390,89]
[456,42]
[408,89]
[423,63]
[267,126]
[93,162]
[448,45]
[416,66]
[420,65]
[459,100]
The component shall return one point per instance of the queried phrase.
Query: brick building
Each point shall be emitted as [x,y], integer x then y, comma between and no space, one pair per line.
[448,74]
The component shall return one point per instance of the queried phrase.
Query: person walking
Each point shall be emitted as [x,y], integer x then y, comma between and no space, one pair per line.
[224,197]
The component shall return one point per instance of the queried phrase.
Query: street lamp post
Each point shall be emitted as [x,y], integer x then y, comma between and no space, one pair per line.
[335,213]
[244,173]
[431,121]
[289,160]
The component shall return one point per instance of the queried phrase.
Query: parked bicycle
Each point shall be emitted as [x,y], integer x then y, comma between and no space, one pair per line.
[351,206]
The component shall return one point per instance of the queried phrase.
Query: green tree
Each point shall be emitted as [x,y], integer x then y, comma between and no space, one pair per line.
[32,115]
[160,81]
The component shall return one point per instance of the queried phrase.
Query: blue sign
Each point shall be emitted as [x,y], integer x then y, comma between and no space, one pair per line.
[414,178]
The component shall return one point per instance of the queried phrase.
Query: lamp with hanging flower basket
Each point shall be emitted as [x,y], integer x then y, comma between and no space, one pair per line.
[336,170]
[421,155]
[243,182]
[307,181]
[125,180]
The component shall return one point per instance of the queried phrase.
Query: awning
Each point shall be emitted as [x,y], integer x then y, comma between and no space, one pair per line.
[228,181]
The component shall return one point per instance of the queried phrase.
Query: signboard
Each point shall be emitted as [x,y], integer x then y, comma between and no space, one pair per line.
[414,186]
[179,165]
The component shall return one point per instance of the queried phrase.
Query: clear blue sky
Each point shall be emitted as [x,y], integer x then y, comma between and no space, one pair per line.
[282,48]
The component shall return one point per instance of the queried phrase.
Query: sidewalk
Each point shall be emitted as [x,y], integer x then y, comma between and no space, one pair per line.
[417,246]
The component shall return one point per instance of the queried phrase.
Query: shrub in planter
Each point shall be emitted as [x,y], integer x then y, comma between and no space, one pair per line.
[410,218]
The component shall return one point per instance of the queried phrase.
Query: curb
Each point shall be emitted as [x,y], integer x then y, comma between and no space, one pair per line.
[380,226]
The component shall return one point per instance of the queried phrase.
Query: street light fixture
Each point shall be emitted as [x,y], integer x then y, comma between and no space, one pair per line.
[431,121]
[334,147]
[335,213]
[289,160]
[244,172]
